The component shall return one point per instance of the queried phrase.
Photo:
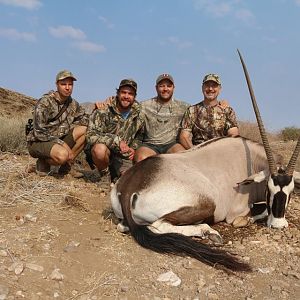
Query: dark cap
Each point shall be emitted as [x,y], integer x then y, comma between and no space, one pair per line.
[64,74]
[128,82]
[164,76]
[212,77]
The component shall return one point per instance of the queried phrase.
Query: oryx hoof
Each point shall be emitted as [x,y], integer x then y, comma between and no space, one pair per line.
[122,228]
[215,238]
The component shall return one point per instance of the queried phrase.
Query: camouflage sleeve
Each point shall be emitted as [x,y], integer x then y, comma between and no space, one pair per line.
[97,131]
[138,139]
[186,122]
[81,117]
[231,120]
[41,128]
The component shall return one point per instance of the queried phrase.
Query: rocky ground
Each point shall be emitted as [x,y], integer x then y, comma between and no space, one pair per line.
[58,240]
[13,103]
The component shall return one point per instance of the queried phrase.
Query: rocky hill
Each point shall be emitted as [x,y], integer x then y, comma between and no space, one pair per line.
[12,102]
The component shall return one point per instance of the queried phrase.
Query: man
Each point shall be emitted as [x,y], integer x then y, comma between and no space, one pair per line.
[209,118]
[162,114]
[59,127]
[114,128]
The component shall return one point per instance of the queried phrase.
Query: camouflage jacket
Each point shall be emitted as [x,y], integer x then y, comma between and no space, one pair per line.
[46,109]
[107,126]
[205,122]
[162,120]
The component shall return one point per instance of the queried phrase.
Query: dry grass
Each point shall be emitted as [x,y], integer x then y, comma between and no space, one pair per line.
[12,134]
[251,131]
[16,185]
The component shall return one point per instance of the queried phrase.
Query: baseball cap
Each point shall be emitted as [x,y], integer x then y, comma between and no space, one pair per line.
[212,77]
[129,82]
[164,76]
[64,74]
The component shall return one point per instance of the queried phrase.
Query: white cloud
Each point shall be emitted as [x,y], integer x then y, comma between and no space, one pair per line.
[89,47]
[28,4]
[297,2]
[244,15]
[223,8]
[178,43]
[68,32]
[13,34]
[76,34]
[106,22]
[214,7]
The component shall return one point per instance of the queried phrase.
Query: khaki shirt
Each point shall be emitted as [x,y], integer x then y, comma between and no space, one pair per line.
[206,122]
[162,120]
[46,109]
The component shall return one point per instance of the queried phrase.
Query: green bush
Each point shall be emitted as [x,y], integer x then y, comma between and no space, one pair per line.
[12,134]
[290,133]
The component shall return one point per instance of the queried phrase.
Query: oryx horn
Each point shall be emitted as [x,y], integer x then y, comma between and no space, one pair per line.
[270,158]
[292,163]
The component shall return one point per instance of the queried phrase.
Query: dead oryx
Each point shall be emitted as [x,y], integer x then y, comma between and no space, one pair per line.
[166,199]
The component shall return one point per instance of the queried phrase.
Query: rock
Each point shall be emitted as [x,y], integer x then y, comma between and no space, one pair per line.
[265,270]
[4,290]
[169,278]
[30,217]
[212,296]
[3,253]
[56,275]
[71,246]
[16,267]
[240,221]
[20,294]
[34,267]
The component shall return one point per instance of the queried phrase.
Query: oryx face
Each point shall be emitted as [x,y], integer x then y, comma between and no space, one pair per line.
[280,187]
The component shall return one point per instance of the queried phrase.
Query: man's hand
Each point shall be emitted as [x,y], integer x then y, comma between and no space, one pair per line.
[125,149]
[131,153]
[224,103]
[105,103]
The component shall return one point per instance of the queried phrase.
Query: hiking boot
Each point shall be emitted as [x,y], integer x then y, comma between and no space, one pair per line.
[64,169]
[42,167]
[67,169]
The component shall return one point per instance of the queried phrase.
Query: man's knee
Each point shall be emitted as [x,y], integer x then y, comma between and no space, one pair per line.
[100,151]
[59,154]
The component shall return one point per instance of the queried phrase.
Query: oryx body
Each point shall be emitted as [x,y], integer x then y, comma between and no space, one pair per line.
[195,185]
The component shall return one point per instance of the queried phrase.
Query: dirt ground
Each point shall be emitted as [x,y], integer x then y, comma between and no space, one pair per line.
[58,240]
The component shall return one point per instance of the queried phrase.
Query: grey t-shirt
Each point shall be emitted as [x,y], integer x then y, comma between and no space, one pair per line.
[162,120]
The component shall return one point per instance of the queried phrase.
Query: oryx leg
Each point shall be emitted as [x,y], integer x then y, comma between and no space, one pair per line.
[122,227]
[184,219]
[200,230]
[259,211]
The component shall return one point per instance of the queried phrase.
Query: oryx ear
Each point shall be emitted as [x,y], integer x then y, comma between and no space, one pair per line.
[257,178]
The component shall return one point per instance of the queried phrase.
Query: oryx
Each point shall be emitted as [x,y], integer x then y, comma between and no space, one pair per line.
[168,198]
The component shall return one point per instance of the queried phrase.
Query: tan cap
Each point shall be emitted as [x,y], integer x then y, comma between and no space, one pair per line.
[164,76]
[212,77]
[64,74]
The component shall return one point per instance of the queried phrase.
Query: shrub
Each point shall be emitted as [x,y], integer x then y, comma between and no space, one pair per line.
[290,133]
[12,134]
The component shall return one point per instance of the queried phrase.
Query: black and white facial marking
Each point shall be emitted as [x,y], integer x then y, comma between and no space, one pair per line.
[280,188]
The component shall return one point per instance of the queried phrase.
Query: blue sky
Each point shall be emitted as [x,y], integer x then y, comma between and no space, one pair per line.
[104,41]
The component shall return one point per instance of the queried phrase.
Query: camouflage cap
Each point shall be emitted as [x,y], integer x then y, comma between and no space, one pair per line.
[164,76]
[212,77]
[64,74]
[128,82]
